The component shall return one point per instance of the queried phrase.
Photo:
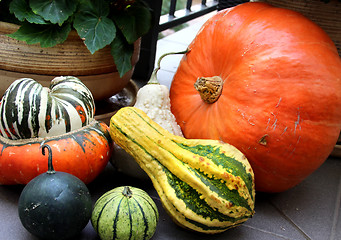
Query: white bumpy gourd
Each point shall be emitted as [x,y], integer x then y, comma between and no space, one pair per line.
[153,99]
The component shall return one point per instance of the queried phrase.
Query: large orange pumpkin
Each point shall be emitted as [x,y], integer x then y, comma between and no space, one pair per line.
[269,83]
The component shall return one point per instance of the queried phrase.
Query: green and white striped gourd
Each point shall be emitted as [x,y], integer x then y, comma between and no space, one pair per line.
[29,110]
[205,185]
[125,213]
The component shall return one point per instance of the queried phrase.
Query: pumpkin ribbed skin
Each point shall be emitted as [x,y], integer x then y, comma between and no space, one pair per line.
[125,213]
[281,96]
[84,153]
[29,110]
[205,185]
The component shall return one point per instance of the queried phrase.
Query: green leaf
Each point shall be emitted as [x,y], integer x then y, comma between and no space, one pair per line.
[93,25]
[47,35]
[134,21]
[22,12]
[97,7]
[55,11]
[122,53]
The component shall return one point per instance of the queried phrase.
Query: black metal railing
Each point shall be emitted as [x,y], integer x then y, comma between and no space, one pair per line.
[173,18]
[190,12]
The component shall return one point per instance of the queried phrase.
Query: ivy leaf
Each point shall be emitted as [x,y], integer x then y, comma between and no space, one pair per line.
[22,11]
[134,21]
[48,35]
[122,52]
[55,11]
[93,25]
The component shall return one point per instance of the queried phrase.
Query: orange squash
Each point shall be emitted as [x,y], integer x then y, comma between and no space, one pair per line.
[268,81]
[61,116]
[83,153]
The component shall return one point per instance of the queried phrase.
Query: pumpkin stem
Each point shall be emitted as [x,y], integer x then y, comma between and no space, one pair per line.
[127,192]
[209,88]
[50,169]
[153,78]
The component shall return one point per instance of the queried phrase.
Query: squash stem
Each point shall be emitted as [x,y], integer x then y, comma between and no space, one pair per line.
[50,169]
[127,192]
[153,78]
[209,88]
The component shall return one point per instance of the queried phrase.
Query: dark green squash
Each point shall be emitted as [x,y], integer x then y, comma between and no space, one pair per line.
[55,205]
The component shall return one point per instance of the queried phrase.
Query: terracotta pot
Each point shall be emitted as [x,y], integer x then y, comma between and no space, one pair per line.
[326,15]
[97,71]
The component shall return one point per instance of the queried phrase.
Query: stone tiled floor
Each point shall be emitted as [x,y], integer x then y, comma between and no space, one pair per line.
[311,210]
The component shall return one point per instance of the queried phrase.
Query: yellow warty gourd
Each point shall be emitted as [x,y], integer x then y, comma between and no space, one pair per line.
[204,185]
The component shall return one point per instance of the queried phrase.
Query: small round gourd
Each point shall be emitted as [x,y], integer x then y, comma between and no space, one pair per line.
[54,205]
[125,213]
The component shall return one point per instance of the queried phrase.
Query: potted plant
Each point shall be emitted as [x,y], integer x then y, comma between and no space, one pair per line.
[90,39]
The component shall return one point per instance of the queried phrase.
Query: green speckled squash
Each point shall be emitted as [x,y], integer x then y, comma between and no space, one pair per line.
[125,213]
[205,185]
